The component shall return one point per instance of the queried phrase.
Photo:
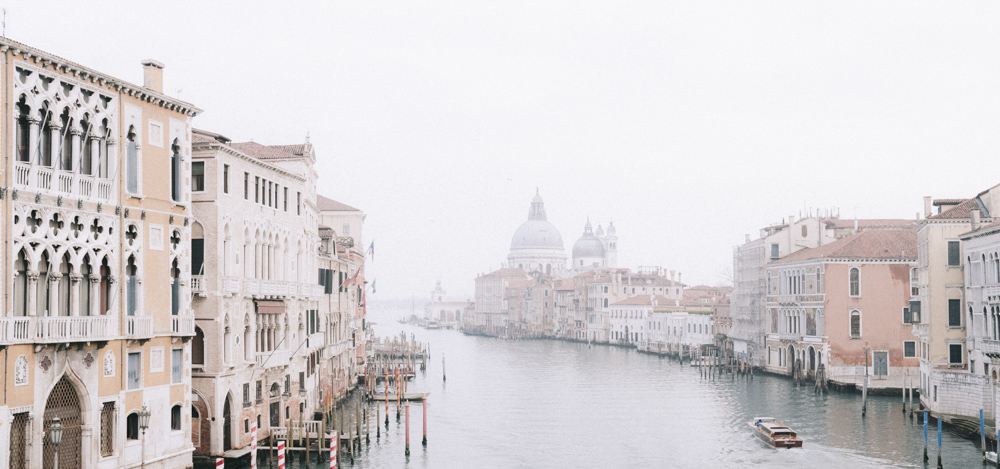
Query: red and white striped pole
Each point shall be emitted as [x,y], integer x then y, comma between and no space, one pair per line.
[333,450]
[220,463]
[253,446]
[281,455]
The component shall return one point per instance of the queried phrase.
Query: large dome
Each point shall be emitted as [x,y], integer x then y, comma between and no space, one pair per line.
[536,234]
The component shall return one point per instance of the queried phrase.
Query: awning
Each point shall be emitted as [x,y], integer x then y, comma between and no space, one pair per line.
[270,307]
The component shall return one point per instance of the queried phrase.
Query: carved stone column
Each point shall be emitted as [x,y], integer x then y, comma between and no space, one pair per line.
[75,134]
[33,124]
[55,134]
[94,284]
[74,294]
[32,293]
[54,294]
[95,153]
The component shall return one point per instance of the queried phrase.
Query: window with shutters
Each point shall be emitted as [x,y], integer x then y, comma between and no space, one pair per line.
[134,375]
[954,255]
[855,324]
[176,365]
[954,313]
[246,394]
[302,381]
[246,186]
[288,383]
[225,178]
[256,189]
[909,349]
[954,354]
[260,394]
[298,203]
[198,177]
[855,281]
[285,199]
[907,316]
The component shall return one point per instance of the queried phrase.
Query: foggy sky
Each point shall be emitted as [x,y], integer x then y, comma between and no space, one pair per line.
[687,123]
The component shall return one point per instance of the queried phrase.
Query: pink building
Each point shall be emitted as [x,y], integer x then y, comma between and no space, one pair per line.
[845,305]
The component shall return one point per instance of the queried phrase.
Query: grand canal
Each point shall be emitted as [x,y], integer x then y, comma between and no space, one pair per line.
[558,404]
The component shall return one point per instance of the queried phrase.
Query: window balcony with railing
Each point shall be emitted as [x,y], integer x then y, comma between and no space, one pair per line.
[989,347]
[230,285]
[36,177]
[273,359]
[182,325]
[198,286]
[138,327]
[16,330]
[55,329]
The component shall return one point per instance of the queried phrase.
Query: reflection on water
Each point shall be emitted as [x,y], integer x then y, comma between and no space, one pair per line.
[560,404]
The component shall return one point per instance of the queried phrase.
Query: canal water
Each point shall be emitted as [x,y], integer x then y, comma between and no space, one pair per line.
[553,404]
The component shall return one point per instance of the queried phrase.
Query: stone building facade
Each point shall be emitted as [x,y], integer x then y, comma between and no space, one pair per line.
[97,227]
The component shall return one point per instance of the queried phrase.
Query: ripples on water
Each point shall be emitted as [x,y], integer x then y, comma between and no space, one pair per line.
[526,404]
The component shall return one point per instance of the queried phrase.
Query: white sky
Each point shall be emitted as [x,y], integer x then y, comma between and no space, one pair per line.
[687,123]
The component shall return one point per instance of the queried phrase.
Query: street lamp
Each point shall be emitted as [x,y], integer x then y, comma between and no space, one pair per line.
[55,437]
[143,425]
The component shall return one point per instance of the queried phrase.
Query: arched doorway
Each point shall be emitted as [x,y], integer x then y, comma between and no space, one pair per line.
[227,442]
[63,403]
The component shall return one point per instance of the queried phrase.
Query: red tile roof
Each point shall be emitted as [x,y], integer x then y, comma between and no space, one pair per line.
[329,205]
[644,300]
[957,211]
[263,152]
[507,272]
[870,223]
[884,244]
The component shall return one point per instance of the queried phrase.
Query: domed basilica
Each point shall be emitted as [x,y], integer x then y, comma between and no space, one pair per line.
[538,246]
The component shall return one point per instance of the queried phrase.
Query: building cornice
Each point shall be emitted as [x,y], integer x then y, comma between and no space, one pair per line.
[82,73]
[232,151]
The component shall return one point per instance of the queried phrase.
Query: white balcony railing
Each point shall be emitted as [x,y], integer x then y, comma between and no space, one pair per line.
[37,177]
[230,284]
[138,327]
[182,325]
[198,286]
[16,330]
[989,346]
[277,288]
[72,328]
[272,359]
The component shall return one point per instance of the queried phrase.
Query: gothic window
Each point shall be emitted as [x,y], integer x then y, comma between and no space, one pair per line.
[23,131]
[66,163]
[21,285]
[198,347]
[45,138]
[175,172]
[855,283]
[102,149]
[64,283]
[105,288]
[42,304]
[86,151]
[131,287]
[132,162]
[175,288]
[85,272]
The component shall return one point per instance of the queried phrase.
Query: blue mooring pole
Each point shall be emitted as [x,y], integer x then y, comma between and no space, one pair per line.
[925,435]
[939,443]
[982,431]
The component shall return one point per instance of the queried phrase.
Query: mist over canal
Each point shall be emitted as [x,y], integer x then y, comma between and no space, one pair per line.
[549,403]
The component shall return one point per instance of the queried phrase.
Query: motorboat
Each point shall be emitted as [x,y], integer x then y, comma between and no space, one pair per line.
[774,433]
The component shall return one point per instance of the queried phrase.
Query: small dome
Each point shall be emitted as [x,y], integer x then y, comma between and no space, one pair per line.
[600,231]
[588,245]
[611,228]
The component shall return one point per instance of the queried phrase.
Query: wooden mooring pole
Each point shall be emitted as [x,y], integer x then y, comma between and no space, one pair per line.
[407,428]
[925,436]
[425,420]
[939,444]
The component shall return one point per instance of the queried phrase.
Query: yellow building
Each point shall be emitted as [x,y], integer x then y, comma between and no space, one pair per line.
[96,238]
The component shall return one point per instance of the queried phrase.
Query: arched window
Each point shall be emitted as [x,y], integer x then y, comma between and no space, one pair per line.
[42,306]
[66,161]
[855,324]
[21,284]
[175,288]
[47,129]
[132,162]
[175,172]
[855,281]
[605,302]
[175,417]
[105,288]
[85,284]
[132,426]
[131,287]
[198,348]
[104,134]
[23,131]
[86,150]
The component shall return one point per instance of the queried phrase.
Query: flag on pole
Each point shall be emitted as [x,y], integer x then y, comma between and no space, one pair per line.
[371,251]
[373,286]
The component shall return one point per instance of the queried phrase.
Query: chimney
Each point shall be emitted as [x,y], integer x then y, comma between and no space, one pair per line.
[672,275]
[152,75]
[791,220]
[927,206]
[678,277]
[975,218]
